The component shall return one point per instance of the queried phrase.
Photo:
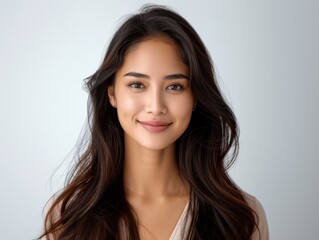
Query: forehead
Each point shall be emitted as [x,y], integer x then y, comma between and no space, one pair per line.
[154,54]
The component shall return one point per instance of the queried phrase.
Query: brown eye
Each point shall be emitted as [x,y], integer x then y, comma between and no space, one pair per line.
[136,85]
[175,87]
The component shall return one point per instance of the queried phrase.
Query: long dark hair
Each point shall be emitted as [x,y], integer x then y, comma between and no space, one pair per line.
[93,205]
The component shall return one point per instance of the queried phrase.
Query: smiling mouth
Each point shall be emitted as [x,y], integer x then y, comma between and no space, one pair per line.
[155,126]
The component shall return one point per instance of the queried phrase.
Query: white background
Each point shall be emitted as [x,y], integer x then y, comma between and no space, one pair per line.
[266,57]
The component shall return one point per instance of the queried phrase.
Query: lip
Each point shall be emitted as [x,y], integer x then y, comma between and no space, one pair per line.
[155,125]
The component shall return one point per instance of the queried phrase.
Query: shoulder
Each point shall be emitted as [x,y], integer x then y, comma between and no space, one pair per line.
[52,213]
[263,233]
[53,208]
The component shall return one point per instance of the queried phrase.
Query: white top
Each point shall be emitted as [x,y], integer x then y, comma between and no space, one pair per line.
[177,232]
[253,203]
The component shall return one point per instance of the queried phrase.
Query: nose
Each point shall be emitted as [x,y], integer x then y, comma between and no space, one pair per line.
[155,102]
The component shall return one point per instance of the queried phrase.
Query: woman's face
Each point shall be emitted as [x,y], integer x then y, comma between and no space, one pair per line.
[152,94]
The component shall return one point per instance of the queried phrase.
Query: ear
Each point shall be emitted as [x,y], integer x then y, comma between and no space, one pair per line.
[194,104]
[110,92]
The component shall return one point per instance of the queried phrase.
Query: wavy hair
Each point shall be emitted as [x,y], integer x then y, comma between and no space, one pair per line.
[92,205]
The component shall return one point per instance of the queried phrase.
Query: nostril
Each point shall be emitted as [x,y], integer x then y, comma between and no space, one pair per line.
[155,104]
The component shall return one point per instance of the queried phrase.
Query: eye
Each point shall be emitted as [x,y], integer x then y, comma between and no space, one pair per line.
[175,87]
[136,85]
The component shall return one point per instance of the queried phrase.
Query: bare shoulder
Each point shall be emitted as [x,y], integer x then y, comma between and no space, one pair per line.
[51,214]
[263,233]
[53,208]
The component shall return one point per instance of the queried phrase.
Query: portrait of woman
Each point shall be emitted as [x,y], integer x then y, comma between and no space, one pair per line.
[161,139]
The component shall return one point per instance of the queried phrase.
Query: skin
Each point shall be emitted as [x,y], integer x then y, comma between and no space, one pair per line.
[152,85]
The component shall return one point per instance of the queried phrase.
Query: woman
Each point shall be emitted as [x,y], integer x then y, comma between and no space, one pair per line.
[156,163]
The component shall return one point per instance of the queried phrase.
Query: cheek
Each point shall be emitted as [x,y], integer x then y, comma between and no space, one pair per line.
[184,105]
[128,104]
[183,109]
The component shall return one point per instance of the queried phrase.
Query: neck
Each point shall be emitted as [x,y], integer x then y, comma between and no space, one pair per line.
[152,174]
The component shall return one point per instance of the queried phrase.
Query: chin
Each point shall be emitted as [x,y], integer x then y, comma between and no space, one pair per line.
[156,145]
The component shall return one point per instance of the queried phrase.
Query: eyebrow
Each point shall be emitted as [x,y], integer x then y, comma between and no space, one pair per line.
[168,77]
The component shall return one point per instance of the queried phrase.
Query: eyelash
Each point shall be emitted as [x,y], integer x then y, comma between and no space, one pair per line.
[138,85]
[135,83]
[179,86]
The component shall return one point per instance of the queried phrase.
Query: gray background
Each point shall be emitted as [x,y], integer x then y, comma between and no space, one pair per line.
[266,57]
